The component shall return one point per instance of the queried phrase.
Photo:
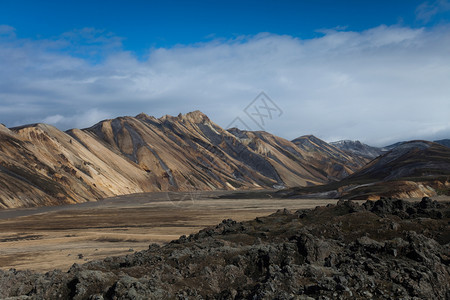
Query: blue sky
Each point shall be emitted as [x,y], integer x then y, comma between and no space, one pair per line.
[147,24]
[376,71]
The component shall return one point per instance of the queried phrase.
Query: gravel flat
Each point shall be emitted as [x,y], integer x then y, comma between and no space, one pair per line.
[42,239]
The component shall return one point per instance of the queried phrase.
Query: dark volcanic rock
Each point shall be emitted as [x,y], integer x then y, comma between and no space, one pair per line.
[387,249]
[425,208]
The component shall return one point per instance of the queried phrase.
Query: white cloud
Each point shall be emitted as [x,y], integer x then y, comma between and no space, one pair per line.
[55,119]
[427,10]
[82,120]
[378,86]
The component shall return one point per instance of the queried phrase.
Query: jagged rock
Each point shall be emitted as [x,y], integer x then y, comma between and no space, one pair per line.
[344,251]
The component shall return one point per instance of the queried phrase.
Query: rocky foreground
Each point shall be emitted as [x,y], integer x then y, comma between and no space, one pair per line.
[382,250]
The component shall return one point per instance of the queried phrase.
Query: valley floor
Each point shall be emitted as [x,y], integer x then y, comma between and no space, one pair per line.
[43,239]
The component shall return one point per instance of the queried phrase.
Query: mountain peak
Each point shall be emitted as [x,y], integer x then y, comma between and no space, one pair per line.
[358,148]
[195,116]
[142,116]
[415,144]
[343,142]
[41,126]
[306,137]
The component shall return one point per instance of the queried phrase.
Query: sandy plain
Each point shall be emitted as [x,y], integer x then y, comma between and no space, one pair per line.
[43,239]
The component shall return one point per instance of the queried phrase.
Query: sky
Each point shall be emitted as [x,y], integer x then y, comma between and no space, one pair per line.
[374,71]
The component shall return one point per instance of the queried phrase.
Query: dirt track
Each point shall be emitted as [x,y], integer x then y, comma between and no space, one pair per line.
[56,237]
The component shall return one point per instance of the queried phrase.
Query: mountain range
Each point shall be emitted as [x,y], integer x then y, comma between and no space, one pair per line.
[358,148]
[411,169]
[41,165]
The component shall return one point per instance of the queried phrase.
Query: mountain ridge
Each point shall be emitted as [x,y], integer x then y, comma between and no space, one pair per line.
[342,162]
[41,165]
[413,169]
[358,148]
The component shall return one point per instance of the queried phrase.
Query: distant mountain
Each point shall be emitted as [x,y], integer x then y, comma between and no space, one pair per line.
[392,146]
[445,142]
[338,162]
[412,169]
[358,148]
[410,159]
[41,165]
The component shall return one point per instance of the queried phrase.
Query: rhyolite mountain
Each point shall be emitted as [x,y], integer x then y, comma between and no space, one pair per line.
[411,169]
[358,148]
[444,142]
[414,159]
[336,161]
[41,165]
[376,151]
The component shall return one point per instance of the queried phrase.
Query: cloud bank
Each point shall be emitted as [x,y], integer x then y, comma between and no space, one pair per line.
[380,85]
